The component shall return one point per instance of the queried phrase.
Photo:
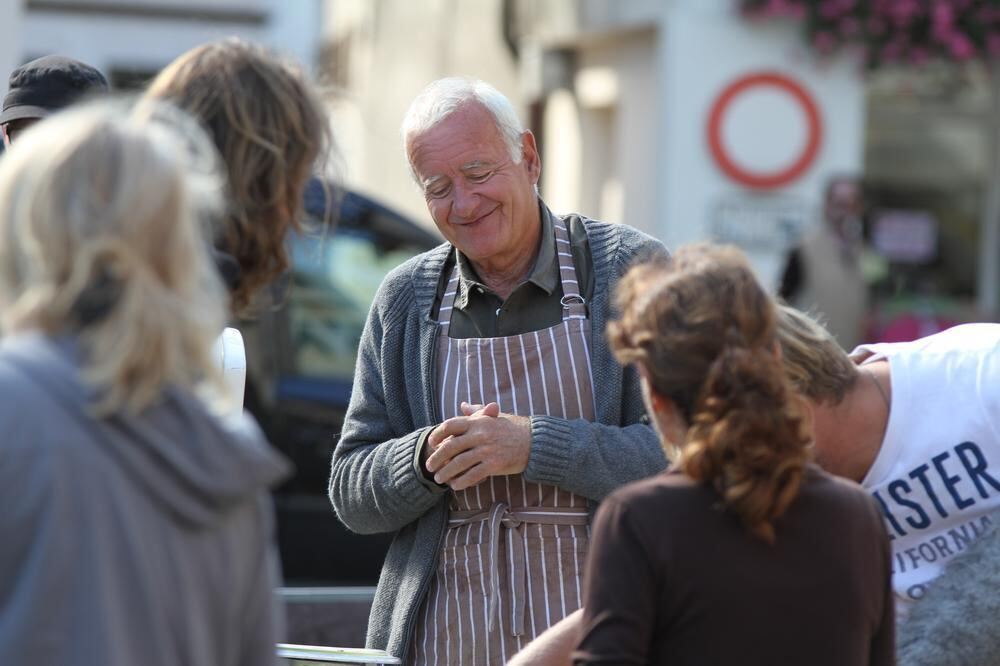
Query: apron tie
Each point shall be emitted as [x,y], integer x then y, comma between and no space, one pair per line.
[501,515]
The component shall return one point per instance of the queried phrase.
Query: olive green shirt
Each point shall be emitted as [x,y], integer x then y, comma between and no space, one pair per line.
[534,305]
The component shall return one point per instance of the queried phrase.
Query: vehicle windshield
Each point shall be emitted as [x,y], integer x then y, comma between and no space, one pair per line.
[334,281]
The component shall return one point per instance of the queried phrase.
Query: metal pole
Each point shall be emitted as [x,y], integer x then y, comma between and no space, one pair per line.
[988,291]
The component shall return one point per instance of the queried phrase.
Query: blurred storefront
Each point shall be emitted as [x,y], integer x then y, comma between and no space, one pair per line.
[690,121]
[927,169]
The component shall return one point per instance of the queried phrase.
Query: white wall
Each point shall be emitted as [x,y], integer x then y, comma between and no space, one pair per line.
[628,141]
[396,47]
[599,149]
[118,40]
[10,39]
[707,45]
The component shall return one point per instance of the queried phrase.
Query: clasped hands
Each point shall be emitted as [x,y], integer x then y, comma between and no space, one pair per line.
[464,450]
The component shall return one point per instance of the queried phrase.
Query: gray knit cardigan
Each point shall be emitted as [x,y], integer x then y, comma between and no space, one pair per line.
[375,485]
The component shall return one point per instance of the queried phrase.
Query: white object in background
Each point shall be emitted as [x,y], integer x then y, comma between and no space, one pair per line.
[229,349]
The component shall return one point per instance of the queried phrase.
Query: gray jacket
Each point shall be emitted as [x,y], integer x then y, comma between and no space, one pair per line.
[375,485]
[958,622]
[130,539]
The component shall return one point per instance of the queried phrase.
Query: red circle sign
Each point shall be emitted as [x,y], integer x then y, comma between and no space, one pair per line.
[772,179]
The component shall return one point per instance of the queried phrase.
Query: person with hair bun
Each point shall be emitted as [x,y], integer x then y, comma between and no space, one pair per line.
[743,551]
[136,521]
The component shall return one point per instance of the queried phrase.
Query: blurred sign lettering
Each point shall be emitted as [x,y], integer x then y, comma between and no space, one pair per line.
[906,236]
[758,222]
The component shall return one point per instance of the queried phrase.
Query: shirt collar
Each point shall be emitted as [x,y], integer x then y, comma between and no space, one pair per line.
[545,273]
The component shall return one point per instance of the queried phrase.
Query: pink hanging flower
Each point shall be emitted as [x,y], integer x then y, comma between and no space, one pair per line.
[892,51]
[993,44]
[824,42]
[776,7]
[849,26]
[876,25]
[919,56]
[830,9]
[796,11]
[942,21]
[961,46]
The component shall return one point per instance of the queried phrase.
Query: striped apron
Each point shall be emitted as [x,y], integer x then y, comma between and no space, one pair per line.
[513,555]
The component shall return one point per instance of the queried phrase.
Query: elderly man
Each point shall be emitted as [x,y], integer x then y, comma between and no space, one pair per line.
[488,415]
[44,86]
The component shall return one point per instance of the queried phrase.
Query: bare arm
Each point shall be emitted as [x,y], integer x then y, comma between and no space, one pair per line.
[554,646]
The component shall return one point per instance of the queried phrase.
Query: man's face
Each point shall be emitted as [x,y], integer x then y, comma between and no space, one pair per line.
[16,127]
[482,202]
[843,201]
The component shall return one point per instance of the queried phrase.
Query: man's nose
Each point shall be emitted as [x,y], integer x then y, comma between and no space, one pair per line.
[464,200]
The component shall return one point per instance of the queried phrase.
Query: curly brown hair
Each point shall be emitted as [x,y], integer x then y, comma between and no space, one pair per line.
[270,127]
[703,329]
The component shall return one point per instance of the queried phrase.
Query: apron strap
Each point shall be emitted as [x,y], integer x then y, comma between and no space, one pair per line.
[574,304]
[501,515]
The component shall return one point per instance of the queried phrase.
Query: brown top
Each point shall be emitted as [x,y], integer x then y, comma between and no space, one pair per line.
[674,579]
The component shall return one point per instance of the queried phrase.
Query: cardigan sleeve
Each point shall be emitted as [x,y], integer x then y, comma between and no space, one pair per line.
[594,458]
[374,484]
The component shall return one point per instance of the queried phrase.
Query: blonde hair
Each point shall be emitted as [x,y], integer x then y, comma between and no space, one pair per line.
[702,327]
[103,236]
[814,362]
[270,127]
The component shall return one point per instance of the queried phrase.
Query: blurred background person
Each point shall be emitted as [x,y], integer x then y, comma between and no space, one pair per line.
[743,538]
[43,86]
[270,127]
[823,273]
[138,527]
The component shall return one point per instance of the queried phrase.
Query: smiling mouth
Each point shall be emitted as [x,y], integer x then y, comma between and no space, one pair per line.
[479,219]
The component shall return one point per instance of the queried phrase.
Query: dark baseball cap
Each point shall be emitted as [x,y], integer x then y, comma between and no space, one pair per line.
[48,84]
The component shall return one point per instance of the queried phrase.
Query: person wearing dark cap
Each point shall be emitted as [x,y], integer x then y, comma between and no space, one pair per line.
[44,86]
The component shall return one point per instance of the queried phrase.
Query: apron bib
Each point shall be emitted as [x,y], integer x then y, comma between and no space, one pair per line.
[512,558]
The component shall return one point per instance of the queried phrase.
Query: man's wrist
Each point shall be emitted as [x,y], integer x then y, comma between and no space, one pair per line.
[420,458]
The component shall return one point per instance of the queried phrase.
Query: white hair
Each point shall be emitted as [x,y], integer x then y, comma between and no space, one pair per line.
[445,96]
[104,235]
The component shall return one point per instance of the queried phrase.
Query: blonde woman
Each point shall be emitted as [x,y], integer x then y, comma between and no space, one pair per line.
[136,523]
[744,551]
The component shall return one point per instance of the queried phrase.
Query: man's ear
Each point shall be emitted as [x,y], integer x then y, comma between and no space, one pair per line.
[530,157]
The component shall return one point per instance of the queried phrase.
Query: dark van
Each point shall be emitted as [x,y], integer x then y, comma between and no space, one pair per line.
[300,360]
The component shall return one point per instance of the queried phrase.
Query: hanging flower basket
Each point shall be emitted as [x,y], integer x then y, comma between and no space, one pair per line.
[892,31]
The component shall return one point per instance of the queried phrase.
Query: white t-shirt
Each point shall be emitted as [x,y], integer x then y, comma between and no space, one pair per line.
[937,475]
